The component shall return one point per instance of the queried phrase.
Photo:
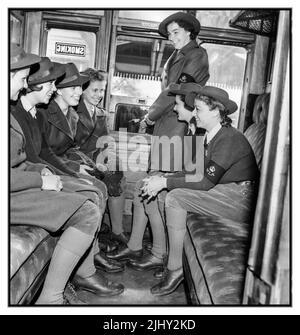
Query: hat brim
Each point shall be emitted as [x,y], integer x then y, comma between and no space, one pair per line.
[54,75]
[77,82]
[230,106]
[26,61]
[162,28]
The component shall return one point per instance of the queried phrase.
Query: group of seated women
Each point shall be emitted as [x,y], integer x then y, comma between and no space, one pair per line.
[58,183]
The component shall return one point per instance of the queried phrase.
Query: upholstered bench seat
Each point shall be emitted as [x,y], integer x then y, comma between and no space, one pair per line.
[30,251]
[216,253]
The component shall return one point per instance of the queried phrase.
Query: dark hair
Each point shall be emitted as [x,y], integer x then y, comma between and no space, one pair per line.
[212,104]
[188,27]
[95,75]
[182,98]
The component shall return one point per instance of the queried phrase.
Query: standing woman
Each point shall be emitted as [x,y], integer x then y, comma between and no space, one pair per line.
[227,189]
[187,64]
[37,198]
[92,126]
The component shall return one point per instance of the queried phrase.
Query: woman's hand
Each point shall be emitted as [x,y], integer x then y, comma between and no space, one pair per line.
[83,169]
[153,185]
[46,172]
[101,167]
[51,183]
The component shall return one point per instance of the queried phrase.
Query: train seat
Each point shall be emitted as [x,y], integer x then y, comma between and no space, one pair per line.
[216,250]
[31,249]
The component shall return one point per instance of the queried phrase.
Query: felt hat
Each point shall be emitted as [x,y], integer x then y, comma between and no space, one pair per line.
[20,59]
[162,28]
[72,77]
[45,71]
[218,94]
[185,89]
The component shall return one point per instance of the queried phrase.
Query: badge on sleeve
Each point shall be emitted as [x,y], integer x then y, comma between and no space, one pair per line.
[214,172]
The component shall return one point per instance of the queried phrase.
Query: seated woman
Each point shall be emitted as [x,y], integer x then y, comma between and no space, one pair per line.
[227,189]
[154,206]
[41,199]
[92,126]
[41,86]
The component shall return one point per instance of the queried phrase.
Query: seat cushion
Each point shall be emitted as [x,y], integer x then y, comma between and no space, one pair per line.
[31,249]
[216,252]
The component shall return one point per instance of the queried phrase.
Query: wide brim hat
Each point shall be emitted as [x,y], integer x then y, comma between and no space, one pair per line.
[45,71]
[218,94]
[20,59]
[185,89]
[162,28]
[72,77]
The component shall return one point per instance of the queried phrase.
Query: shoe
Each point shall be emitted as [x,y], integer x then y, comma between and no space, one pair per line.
[124,253]
[108,265]
[97,284]
[147,262]
[169,283]
[121,238]
[71,297]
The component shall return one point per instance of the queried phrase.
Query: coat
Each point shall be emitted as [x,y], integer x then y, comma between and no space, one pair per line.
[29,205]
[89,130]
[191,60]
[36,147]
[59,131]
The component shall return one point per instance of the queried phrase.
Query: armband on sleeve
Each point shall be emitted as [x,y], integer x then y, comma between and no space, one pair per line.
[214,172]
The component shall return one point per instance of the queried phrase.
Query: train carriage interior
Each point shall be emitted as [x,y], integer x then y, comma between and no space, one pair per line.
[225,262]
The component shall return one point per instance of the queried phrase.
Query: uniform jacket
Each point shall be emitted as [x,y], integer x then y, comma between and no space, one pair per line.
[191,60]
[36,147]
[60,133]
[90,129]
[29,205]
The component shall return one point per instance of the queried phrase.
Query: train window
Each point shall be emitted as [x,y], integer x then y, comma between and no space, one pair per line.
[222,59]
[128,116]
[216,18]
[65,45]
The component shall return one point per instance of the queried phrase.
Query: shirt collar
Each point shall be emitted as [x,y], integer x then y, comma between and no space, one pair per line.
[28,106]
[213,132]
[91,108]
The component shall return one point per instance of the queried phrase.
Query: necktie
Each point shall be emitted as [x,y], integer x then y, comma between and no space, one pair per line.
[205,145]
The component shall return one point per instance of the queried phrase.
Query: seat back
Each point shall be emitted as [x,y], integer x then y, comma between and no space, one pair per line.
[256,133]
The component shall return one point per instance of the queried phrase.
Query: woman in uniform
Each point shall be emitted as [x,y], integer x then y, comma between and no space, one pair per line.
[227,189]
[92,128]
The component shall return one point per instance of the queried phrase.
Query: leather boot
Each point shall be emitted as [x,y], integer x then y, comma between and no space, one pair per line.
[108,265]
[169,283]
[124,253]
[147,262]
[97,284]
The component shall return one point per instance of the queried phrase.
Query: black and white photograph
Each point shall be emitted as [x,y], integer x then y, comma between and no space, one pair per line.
[149,159]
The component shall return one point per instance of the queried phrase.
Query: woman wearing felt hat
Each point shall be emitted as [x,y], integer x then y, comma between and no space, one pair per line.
[227,189]
[188,63]
[39,198]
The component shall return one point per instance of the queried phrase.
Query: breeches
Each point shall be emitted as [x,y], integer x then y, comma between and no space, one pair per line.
[86,219]
[231,201]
